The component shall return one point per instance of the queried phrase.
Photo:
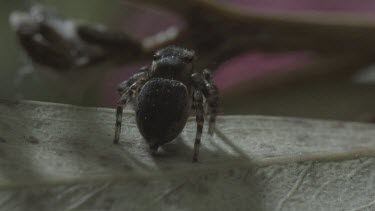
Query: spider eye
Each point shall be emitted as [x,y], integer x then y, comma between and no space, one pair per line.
[156,56]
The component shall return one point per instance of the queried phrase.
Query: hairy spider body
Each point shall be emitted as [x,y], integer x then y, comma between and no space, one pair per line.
[162,110]
[164,95]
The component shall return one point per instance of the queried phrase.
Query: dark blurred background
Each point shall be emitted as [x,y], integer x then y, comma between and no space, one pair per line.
[253,82]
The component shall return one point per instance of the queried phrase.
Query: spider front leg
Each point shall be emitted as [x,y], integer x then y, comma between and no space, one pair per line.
[198,105]
[128,91]
[120,106]
[124,86]
[212,98]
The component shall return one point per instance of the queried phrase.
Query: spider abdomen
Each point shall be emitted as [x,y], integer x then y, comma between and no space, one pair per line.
[163,107]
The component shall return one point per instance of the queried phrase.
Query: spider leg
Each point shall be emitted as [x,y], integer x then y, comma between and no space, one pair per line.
[119,110]
[120,106]
[124,86]
[213,100]
[128,93]
[198,105]
[204,83]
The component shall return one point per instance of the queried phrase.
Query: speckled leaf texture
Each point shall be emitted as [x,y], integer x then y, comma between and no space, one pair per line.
[61,157]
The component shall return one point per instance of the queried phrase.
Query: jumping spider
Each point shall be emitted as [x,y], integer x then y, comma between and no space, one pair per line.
[164,95]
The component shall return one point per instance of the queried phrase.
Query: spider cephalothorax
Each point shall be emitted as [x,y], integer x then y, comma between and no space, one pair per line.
[164,95]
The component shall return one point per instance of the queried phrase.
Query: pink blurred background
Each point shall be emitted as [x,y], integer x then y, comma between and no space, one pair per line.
[141,22]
